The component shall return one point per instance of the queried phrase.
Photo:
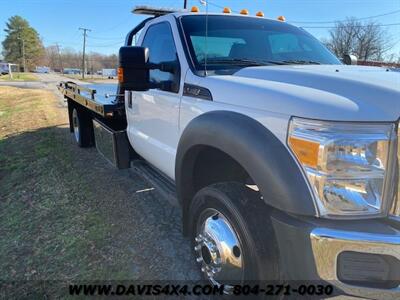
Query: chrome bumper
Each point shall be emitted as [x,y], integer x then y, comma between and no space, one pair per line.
[327,244]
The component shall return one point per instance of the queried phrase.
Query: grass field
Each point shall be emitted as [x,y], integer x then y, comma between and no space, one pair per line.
[65,214]
[19,77]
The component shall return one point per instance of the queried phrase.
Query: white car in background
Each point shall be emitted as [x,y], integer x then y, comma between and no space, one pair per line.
[43,70]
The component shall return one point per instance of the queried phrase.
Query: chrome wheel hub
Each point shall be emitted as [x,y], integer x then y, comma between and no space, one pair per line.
[75,124]
[218,250]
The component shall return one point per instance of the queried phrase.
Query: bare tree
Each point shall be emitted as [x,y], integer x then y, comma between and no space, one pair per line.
[69,58]
[368,41]
[52,59]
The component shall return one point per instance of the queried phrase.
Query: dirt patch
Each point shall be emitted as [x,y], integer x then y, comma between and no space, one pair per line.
[67,215]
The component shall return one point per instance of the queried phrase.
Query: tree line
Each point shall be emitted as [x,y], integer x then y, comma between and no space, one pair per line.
[23,46]
[58,59]
[367,40]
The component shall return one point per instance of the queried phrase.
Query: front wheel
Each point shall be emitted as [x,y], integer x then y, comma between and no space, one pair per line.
[232,236]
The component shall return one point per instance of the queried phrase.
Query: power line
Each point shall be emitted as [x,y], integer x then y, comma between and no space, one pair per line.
[330,22]
[116,26]
[358,26]
[356,19]
[105,38]
[107,45]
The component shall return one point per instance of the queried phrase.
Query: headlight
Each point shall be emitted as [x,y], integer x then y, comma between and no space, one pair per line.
[348,165]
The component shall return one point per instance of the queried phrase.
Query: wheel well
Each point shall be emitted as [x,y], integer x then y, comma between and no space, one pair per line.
[213,165]
[206,165]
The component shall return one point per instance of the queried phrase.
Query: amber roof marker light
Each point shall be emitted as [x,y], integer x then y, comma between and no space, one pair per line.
[260,14]
[195,9]
[244,12]
[281,18]
[227,10]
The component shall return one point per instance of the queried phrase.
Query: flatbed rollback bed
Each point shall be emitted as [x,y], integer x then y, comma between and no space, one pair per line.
[98,120]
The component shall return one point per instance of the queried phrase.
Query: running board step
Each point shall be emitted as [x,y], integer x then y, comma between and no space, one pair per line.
[159,181]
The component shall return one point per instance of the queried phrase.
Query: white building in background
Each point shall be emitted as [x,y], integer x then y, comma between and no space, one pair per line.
[110,73]
[4,68]
[42,70]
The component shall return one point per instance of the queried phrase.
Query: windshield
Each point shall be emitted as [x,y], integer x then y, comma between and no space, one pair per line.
[234,42]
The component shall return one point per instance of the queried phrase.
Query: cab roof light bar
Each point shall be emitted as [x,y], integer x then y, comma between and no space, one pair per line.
[154,11]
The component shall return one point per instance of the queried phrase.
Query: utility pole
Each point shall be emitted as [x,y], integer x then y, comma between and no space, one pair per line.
[85,30]
[23,52]
[59,58]
[185,4]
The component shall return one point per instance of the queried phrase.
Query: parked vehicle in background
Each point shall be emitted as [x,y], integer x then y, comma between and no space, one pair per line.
[43,69]
[4,68]
[285,162]
[72,71]
[109,73]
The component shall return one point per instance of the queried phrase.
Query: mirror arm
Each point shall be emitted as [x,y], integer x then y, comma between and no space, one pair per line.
[163,85]
[169,67]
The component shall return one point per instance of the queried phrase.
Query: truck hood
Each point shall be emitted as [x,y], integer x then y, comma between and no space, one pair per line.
[329,92]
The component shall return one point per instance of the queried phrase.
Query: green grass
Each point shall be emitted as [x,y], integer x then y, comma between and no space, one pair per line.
[19,76]
[54,222]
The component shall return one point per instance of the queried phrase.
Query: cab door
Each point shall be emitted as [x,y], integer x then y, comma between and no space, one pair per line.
[153,117]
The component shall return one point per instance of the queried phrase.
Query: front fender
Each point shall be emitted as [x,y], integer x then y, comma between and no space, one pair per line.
[255,148]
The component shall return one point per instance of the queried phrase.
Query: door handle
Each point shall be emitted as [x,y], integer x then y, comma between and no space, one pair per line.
[128,97]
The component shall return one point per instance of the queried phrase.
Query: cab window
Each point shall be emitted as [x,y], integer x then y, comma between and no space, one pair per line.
[160,41]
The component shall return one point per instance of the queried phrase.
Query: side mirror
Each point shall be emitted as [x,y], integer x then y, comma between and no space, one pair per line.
[133,71]
[349,59]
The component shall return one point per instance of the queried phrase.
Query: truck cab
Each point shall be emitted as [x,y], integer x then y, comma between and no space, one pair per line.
[285,161]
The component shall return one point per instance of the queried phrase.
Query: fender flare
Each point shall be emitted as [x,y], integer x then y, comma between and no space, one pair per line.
[265,158]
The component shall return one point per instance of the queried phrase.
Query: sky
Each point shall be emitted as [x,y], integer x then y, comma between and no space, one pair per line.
[58,21]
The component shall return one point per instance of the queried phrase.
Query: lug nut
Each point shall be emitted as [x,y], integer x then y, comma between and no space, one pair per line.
[199,259]
[198,239]
[197,248]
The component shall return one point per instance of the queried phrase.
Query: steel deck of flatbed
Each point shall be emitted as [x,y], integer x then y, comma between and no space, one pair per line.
[89,97]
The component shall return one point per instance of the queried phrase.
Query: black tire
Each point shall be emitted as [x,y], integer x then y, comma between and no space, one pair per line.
[82,128]
[249,218]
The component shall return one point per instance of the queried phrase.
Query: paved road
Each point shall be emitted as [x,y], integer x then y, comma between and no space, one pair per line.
[46,81]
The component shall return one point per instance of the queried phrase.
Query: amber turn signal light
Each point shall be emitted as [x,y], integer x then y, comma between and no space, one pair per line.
[120,75]
[305,151]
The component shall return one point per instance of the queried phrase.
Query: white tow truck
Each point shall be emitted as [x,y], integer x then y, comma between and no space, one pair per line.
[284,161]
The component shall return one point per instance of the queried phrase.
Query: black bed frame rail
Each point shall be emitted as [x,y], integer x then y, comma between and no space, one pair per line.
[72,91]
